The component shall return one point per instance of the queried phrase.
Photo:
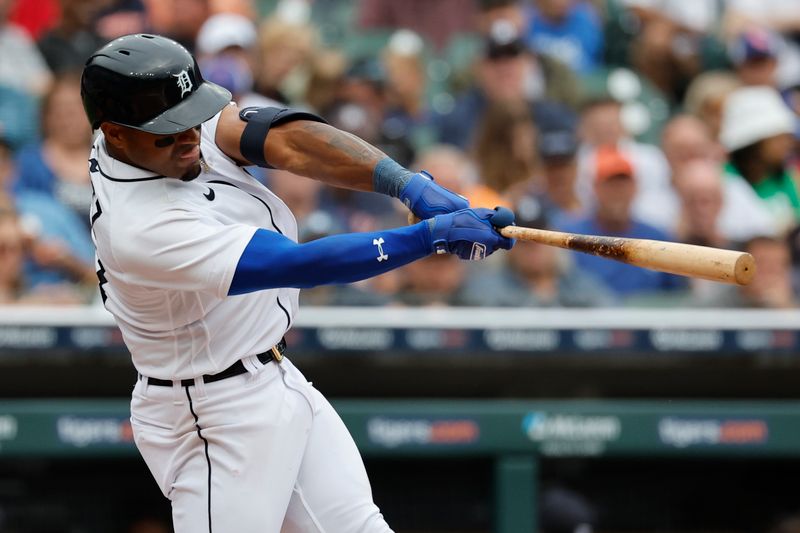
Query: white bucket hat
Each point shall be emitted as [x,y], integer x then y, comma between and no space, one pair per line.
[223,30]
[752,114]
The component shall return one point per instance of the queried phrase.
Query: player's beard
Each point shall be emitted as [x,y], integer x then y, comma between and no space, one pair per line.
[193,171]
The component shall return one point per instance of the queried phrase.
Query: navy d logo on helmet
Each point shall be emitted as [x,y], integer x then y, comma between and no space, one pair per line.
[149,83]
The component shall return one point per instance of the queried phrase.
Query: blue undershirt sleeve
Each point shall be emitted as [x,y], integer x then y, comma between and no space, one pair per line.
[271,260]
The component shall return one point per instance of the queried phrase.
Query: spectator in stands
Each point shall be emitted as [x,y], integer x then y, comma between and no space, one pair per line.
[67,46]
[179,19]
[568,30]
[326,74]
[438,22]
[601,126]
[558,149]
[404,63]
[706,94]
[363,108]
[53,192]
[555,145]
[754,55]
[11,253]
[286,48]
[492,11]
[505,148]
[698,183]
[437,280]
[771,288]
[35,16]
[18,245]
[780,16]
[226,48]
[686,138]
[536,275]
[246,8]
[757,132]
[453,169]
[302,195]
[507,72]
[360,108]
[18,117]
[122,17]
[7,167]
[23,68]
[615,189]
[57,166]
[667,48]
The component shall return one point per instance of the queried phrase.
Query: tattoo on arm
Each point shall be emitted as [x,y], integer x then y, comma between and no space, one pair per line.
[326,154]
[357,149]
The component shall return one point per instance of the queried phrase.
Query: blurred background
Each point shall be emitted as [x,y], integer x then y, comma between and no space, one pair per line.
[540,390]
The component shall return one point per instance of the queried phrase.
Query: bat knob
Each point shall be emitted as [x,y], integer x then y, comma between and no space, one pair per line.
[502,217]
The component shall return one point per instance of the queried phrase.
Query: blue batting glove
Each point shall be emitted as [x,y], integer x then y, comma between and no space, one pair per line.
[425,198]
[468,233]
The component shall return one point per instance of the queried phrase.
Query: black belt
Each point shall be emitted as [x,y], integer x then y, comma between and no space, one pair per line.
[273,354]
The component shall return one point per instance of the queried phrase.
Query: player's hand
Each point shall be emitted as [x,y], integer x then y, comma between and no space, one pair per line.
[469,233]
[426,198]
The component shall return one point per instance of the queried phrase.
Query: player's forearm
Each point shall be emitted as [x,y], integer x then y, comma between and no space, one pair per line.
[324,153]
[271,260]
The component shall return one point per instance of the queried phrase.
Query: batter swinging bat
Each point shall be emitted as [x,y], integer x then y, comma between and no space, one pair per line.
[703,262]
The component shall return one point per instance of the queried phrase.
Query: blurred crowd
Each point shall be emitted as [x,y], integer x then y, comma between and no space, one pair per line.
[655,119]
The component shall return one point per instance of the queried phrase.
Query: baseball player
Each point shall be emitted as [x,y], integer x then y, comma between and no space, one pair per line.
[199,264]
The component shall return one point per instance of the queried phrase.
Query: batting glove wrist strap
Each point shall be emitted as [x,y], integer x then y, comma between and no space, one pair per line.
[390,178]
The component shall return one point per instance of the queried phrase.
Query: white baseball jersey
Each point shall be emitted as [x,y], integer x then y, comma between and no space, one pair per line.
[166,254]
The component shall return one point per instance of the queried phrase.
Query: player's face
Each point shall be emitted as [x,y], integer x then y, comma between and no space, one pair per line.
[175,156]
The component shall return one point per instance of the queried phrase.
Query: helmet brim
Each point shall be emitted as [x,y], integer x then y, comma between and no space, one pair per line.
[195,109]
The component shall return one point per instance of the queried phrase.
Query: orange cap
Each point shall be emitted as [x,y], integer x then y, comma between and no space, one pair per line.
[610,162]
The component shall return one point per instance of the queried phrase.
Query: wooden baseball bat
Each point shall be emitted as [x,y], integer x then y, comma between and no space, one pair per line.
[690,260]
[704,262]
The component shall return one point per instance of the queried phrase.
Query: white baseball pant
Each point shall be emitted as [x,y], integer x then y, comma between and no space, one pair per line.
[261,452]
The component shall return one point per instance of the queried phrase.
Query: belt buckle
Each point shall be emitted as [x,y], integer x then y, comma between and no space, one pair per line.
[276,354]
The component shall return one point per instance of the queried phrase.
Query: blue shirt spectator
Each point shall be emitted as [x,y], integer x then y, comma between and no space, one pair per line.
[54,224]
[58,166]
[568,31]
[615,188]
[506,73]
[18,117]
[36,175]
[625,280]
